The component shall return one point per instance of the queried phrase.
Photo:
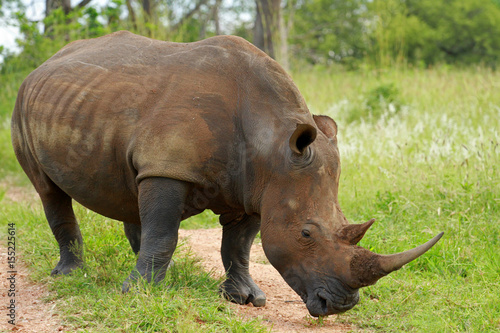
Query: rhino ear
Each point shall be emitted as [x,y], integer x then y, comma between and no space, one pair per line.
[326,125]
[302,137]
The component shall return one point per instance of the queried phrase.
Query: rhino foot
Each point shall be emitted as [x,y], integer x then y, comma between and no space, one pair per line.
[64,268]
[136,276]
[71,258]
[243,292]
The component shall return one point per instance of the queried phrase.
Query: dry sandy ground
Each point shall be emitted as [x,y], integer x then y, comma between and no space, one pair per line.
[32,313]
[284,310]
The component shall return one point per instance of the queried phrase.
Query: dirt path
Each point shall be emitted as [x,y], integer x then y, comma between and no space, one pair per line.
[33,315]
[284,310]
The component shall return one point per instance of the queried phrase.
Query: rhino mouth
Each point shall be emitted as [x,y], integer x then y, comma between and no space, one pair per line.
[323,295]
[323,302]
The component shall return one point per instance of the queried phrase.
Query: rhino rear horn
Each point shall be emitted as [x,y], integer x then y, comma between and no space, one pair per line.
[353,233]
[302,137]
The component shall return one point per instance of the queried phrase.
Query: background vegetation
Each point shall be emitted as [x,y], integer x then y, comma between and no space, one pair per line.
[414,88]
[355,33]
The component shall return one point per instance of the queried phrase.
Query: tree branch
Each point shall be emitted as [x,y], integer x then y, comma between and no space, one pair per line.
[83,3]
[189,14]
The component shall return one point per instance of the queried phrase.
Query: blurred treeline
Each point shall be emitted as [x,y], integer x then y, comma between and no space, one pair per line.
[351,33]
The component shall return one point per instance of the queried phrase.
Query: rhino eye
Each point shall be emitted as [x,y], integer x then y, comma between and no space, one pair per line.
[306,233]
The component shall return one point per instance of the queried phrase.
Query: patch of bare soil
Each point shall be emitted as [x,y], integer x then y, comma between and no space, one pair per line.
[284,310]
[32,315]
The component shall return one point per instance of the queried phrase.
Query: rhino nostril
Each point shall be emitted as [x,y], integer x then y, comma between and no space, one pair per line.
[249,299]
[323,301]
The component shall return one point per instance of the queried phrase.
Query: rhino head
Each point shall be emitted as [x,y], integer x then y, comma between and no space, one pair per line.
[305,235]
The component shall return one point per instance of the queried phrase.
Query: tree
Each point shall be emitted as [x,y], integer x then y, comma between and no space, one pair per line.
[65,5]
[327,31]
[461,31]
[267,26]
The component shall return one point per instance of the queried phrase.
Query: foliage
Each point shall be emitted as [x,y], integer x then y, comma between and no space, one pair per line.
[380,101]
[326,31]
[9,5]
[36,47]
[464,31]
[386,32]
[355,33]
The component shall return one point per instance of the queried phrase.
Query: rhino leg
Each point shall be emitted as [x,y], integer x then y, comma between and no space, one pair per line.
[237,238]
[62,221]
[57,207]
[133,233]
[161,202]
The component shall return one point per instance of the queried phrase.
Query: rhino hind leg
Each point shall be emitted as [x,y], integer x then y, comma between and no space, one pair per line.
[133,233]
[64,226]
[56,204]
[161,203]
[237,238]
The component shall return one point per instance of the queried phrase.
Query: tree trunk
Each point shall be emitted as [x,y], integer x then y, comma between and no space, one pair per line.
[216,16]
[51,5]
[283,46]
[146,7]
[131,14]
[267,26]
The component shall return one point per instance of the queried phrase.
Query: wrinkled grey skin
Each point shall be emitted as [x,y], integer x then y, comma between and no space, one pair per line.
[151,133]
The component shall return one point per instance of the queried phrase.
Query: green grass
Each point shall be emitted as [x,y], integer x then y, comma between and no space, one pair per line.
[9,84]
[420,153]
[91,298]
[433,166]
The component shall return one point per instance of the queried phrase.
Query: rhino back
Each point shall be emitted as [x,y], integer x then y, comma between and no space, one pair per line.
[103,114]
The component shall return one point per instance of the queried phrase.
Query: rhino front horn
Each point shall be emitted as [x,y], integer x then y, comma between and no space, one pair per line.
[368,267]
[393,262]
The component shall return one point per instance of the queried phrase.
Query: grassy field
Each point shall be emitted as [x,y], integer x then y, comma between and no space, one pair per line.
[420,153]
[426,160]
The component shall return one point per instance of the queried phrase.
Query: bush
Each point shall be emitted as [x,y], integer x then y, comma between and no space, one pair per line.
[383,100]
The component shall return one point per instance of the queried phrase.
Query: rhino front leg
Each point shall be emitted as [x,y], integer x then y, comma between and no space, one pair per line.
[133,233]
[161,202]
[237,238]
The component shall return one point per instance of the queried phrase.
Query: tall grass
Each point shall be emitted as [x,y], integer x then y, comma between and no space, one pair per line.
[9,84]
[430,164]
[420,153]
